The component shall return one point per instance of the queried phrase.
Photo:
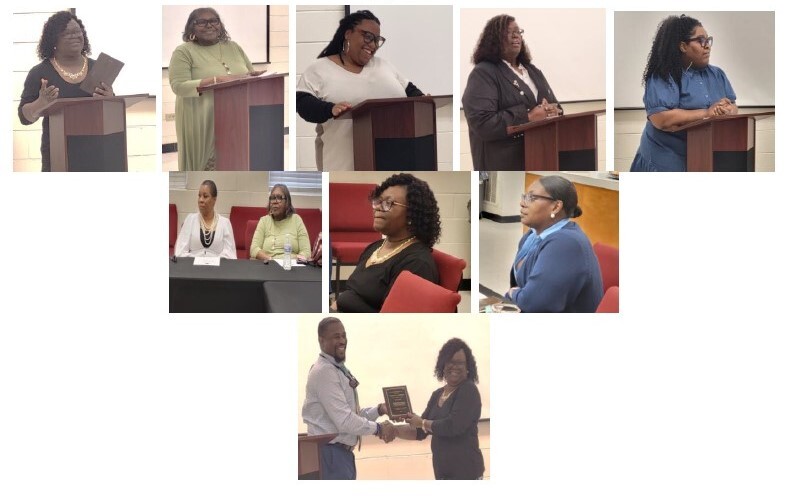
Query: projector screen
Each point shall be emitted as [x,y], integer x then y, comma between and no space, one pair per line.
[246,24]
[744,47]
[398,350]
[418,43]
[567,45]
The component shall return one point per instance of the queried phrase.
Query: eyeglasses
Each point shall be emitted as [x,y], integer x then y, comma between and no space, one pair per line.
[204,22]
[276,198]
[704,42]
[517,33]
[384,205]
[456,363]
[528,198]
[370,37]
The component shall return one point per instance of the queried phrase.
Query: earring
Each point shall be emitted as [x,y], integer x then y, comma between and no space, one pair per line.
[346,45]
[553,216]
[192,37]
[409,222]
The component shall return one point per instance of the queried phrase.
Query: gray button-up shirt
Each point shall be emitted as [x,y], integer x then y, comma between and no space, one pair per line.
[329,405]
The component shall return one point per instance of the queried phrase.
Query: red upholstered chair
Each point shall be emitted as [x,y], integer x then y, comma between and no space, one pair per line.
[609,261]
[310,216]
[172,227]
[450,269]
[414,294]
[239,216]
[351,223]
[610,302]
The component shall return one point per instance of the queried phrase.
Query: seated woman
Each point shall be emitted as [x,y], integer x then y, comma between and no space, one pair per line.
[555,269]
[406,213]
[206,234]
[451,416]
[281,225]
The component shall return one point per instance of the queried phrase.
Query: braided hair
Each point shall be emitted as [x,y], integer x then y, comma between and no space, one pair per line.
[491,41]
[665,58]
[347,23]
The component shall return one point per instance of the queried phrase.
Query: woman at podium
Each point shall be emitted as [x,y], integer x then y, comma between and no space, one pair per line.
[451,416]
[206,233]
[555,269]
[504,89]
[282,225]
[63,49]
[208,56]
[680,87]
[347,72]
[406,213]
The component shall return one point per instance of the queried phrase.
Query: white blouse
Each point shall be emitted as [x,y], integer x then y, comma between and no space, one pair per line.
[189,244]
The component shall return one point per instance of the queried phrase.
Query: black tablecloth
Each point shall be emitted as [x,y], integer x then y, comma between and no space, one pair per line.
[238,286]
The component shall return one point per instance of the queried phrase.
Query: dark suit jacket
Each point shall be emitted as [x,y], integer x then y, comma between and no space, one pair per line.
[496,97]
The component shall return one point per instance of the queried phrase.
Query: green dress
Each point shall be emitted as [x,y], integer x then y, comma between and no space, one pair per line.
[194,112]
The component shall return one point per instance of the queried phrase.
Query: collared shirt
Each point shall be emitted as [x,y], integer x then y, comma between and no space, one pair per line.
[329,404]
[526,77]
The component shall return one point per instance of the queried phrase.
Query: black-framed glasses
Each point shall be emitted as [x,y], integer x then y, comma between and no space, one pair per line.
[528,198]
[704,42]
[276,198]
[370,37]
[517,32]
[203,23]
[384,205]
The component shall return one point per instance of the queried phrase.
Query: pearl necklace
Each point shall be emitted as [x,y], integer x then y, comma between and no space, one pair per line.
[71,75]
[207,231]
[377,259]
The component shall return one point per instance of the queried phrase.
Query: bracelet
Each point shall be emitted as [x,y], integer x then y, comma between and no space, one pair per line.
[214,79]
[378,430]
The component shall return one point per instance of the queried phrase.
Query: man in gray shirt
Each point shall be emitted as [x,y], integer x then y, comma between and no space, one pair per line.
[331,405]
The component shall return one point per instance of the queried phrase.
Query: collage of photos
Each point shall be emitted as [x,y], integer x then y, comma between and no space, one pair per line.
[324,160]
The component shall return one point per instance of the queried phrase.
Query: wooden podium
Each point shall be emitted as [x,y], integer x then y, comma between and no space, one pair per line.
[723,143]
[249,119]
[310,454]
[89,134]
[566,142]
[396,133]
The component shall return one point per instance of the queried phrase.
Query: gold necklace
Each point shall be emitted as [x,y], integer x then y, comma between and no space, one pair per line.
[377,259]
[71,75]
[444,396]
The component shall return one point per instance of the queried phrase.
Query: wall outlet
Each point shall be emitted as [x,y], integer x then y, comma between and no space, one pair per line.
[169,117]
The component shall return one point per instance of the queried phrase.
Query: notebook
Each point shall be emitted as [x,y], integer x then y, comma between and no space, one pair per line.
[104,70]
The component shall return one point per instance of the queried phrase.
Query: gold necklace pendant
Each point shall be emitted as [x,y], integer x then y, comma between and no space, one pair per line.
[71,75]
[375,258]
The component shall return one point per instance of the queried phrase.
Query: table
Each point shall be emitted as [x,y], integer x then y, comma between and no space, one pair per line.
[242,286]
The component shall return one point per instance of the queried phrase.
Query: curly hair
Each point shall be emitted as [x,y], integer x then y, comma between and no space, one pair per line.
[423,215]
[53,28]
[665,57]
[491,42]
[194,15]
[290,210]
[349,22]
[563,190]
[448,350]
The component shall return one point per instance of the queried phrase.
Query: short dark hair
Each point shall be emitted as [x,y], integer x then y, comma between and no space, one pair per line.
[288,201]
[452,346]
[349,22]
[189,24]
[563,190]
[664,59]
[326,322]
[490,43]
[53,28]
[212,186]
[423,215]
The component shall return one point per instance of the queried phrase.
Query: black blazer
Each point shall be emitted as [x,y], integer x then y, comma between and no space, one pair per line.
[496,97]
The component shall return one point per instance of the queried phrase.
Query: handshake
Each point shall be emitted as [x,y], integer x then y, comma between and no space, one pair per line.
[388,431]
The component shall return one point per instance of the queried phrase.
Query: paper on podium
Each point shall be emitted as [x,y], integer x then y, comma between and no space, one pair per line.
[104,70]
[216,261]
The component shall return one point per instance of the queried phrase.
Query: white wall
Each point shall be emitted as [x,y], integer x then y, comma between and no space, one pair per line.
[142,146]
[629,124]
[508,186]
[315,26]
[452,192]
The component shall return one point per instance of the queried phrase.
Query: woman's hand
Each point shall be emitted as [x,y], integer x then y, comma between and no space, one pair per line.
[47,94]
[722,106]
[415,421]
[256,73]
[544,111]
[261,255]
[103,90]
[339,108]
[301,259]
